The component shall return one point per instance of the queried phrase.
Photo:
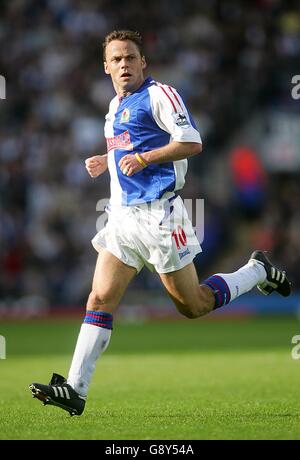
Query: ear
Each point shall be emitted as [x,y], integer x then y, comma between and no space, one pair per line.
[144,63]
[106,68]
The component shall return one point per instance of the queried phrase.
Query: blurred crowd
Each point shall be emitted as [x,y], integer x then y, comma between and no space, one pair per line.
[227,58]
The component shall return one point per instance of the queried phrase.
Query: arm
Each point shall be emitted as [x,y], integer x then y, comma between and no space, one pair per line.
[170,152]
[171,116]
[96,165]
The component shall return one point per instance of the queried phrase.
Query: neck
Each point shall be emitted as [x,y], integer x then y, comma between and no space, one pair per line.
[124,92]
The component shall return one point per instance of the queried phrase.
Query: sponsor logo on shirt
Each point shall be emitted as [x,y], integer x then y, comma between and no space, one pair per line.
[125,116]
[121,142]
[181,119]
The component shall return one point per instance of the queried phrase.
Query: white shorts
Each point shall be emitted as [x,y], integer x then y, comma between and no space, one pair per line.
[157,234]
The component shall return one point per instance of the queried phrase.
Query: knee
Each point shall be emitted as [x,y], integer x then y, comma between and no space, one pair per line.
[98,301]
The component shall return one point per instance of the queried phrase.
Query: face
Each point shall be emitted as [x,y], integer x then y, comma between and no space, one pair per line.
[125,66]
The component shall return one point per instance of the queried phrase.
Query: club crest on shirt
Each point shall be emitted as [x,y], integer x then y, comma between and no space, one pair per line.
[181,119]
[125,116]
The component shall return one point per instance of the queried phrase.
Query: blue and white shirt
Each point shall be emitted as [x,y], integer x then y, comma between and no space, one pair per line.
[150,118]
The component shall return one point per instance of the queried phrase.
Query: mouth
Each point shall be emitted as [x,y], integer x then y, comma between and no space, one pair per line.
[126,75]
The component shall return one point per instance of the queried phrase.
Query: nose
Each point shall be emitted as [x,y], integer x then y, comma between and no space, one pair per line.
[124,63]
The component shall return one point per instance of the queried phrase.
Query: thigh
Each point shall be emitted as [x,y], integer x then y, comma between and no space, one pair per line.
[111,277]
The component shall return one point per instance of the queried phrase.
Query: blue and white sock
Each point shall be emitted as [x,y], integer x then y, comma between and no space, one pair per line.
[228,286]
[93,339]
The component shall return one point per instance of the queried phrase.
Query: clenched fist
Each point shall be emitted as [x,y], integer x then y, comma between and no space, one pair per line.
[96,165]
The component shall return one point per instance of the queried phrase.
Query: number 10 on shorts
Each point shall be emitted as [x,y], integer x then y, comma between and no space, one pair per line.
[179,237]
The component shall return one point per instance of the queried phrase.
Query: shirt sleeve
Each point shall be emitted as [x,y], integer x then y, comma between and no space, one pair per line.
[171,114]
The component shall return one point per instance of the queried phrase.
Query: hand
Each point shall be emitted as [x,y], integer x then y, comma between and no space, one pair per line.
[129,165]
[96,165]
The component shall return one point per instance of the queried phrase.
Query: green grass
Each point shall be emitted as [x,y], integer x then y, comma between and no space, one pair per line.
[182,380]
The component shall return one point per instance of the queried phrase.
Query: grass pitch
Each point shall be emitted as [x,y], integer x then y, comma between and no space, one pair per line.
[183,380]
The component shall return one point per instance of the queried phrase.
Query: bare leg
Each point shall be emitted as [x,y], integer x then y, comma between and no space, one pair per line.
[111,279]
[191,298]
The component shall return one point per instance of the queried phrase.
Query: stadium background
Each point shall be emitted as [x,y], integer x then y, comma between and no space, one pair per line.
[232,61]
[225,377]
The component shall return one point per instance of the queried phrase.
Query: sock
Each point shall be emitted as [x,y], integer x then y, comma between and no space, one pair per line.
[92,341]
[228,286]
